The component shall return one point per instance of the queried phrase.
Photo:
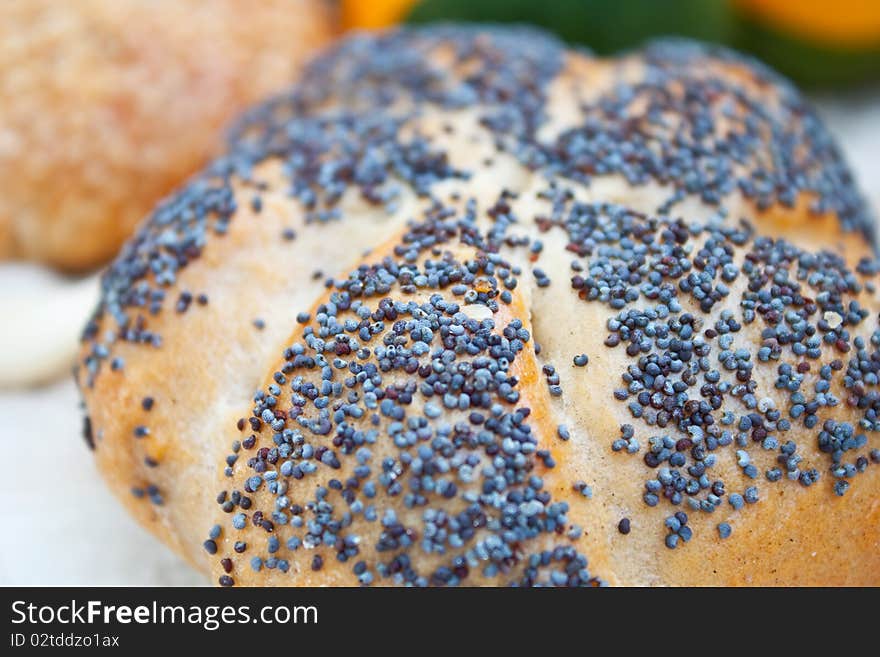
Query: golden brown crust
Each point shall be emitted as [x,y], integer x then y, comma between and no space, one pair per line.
[732,331]
[109,106]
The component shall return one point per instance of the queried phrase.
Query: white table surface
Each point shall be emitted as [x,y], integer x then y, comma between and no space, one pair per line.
[61,526]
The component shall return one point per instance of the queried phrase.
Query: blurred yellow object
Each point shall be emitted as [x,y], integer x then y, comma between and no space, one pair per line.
[373,14]
[848,23]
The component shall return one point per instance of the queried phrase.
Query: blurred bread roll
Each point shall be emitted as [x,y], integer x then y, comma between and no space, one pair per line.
[109,105]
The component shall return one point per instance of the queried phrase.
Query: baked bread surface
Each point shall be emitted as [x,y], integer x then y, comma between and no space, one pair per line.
[109,106]
[352,350]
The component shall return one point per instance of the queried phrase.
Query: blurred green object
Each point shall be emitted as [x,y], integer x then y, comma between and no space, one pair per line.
[808,64]
[610,26]
[605,27]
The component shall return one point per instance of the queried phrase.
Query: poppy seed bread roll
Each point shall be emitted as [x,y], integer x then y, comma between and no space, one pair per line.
[513,315]
[109,106]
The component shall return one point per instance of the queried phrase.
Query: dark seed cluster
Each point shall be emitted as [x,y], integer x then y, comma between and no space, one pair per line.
[326,151]
[708,135]
[687,375]
[395,427]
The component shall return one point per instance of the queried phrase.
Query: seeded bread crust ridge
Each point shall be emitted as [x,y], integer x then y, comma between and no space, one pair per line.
[514,315]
